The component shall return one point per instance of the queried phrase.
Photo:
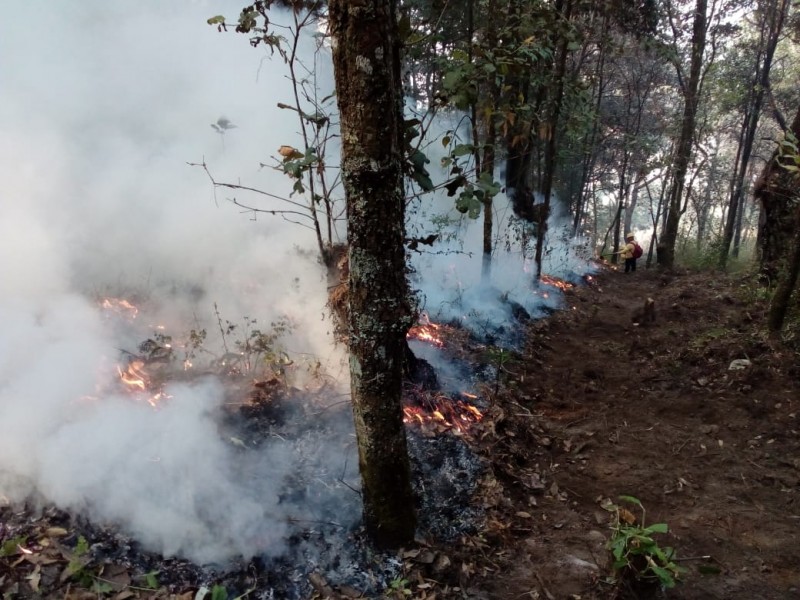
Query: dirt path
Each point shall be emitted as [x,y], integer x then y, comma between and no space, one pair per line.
[653,411]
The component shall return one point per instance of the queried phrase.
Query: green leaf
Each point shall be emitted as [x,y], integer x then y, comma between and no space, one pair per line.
[101,587]
[462,150]
[657,528]
[218,20]
[82,547]
[620,563]
[11,547]
[419,160]
[664,576]
[452,80]
[463,201]
[150,580]
[490,187]
[423,180]
[218,592]
[631,499]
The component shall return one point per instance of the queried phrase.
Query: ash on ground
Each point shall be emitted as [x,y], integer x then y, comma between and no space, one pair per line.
[445,473]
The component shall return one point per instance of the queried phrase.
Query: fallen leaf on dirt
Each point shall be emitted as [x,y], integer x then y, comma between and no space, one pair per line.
[349,592]
[55,532]
[441,563]
[34,579]
[40,559]
[534,482]
[524,515]
[117,577]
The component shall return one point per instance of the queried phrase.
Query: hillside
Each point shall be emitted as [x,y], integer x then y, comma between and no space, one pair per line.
[514,504]
[654,411]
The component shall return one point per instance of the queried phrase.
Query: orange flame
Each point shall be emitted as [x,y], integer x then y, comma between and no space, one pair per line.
[445,414]
[556,282]
[120,306]
[425,331]
[134,376]
[137,380]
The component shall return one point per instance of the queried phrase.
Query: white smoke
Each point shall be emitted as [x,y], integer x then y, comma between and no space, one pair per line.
[449,275]
[103,105]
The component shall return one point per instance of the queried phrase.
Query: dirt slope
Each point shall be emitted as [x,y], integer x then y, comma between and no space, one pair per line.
[592,408]
[599,407]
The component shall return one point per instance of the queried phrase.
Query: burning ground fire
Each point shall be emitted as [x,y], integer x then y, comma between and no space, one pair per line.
[425,331]
[556,282]
[134,376]
[137,381]
[434,413]
[119,307]
[442,413]
[437,412]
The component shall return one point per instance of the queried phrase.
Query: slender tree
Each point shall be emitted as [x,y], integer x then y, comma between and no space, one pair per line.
[366,60]
[683,151]
[773,15]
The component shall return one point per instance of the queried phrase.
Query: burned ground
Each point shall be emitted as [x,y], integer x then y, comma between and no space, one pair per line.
[592,407]
[653,411]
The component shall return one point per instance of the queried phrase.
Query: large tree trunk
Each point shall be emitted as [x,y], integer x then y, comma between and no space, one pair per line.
[366,64]
[777,189]
[787,283]
[774,14]
[683,150]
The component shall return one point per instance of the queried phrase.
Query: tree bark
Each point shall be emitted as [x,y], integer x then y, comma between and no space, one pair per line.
[774,15]
[366,59]
[777,189]
[786,285]
[565,10]
[683,150]
[486,114]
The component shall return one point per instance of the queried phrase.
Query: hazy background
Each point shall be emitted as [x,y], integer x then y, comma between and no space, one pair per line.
[102,105]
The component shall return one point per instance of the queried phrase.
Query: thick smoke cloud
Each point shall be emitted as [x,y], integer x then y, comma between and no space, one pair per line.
[103,104]
[449,277]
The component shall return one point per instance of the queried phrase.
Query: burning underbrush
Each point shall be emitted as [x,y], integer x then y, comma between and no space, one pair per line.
[282,432]
[494,317]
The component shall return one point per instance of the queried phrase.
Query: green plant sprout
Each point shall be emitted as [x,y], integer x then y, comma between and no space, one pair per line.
[637,556]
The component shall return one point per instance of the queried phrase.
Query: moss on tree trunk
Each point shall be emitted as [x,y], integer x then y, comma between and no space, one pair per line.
[367,71]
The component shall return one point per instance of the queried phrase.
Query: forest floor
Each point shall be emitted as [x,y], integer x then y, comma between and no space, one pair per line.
[592,407]
[599,407]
